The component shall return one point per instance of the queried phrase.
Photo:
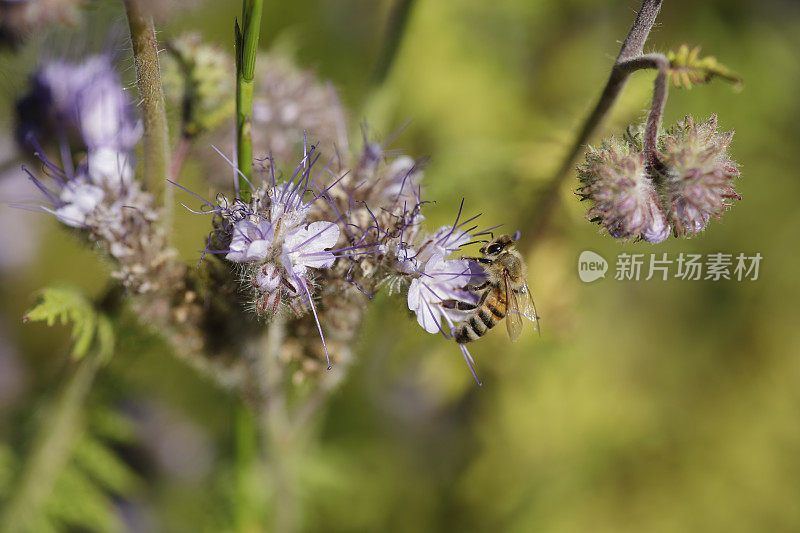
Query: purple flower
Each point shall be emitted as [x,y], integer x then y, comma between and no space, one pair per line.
[403,177]
[441,280]
[276,245]
[306,248]
[78,201]
[251,241]
[81,103]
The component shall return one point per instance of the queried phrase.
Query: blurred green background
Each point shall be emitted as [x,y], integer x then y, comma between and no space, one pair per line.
[644,406]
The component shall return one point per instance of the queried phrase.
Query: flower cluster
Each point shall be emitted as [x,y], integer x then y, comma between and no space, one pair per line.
[85,111]
[689,181]
[379,203]
[277,246]
[343,239]
[313,245]
[288,105]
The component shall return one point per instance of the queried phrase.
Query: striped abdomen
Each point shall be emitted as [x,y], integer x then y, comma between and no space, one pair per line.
[491,310]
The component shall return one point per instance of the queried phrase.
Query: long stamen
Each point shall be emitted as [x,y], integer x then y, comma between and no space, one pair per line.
[470,361]
[316,319]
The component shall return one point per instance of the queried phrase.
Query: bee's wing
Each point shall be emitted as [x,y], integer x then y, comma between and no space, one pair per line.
[527,307]
[513,315]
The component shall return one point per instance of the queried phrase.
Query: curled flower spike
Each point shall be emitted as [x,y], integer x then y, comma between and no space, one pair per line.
[626,203]
[83,109]
[378,204]
[697,174]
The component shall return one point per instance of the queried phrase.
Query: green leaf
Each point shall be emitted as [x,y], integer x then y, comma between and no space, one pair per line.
[77,501]
[90,329]
[108,424]
[688,68]
[104,466]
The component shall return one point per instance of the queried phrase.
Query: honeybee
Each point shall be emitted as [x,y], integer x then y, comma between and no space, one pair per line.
[504,293]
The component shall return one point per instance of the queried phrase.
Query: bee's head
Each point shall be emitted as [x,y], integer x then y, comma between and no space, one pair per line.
[497,246]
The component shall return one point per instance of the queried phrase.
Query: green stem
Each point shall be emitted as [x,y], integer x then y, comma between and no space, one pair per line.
[395,27]
[246,505]
[246,51]
[148,82]
[52,448]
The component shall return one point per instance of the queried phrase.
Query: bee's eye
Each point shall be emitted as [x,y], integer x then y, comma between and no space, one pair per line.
[495,248]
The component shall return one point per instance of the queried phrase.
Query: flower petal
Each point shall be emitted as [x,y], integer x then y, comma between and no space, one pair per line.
[258,250]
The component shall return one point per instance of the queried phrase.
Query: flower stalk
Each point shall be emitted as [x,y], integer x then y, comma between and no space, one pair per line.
[52,448]
[151,94]
[246,50]
[629,60]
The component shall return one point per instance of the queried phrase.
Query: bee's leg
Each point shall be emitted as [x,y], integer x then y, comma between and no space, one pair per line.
[481,260]
[482,286]
[459,305]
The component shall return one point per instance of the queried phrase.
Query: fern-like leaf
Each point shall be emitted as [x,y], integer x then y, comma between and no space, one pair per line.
[83,497]
[90,329]
[688,68]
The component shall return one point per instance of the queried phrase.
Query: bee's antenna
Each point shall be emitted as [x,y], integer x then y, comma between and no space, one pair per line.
[489,233]
[473,242]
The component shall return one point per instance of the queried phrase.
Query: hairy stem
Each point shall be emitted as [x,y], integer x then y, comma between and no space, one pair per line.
[151,95]
[52,448]
[268,398]
[312,405]
[246,50]
[632,47]
[656,114]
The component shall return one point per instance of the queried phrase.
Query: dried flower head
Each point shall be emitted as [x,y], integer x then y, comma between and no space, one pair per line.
[697,174]
[626,203]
